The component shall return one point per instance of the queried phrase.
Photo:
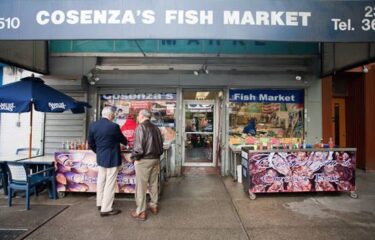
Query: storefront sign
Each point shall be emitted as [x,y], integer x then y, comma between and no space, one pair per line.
[301,171]
[140,96]
[277,20]
[273,96]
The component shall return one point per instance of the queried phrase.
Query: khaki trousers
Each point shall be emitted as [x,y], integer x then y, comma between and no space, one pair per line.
[146,171]
[105,188]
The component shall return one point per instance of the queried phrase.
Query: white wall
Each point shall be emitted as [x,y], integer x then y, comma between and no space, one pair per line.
[313,112]
[11,135]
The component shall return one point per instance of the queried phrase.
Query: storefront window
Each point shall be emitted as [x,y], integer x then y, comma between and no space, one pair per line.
[162,107]
[267,116]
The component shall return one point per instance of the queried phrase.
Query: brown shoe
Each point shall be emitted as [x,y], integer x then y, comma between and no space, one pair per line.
[110,213]
[142,216]
[154,210]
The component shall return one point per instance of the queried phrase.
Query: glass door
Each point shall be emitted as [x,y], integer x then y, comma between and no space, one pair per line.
[199,133]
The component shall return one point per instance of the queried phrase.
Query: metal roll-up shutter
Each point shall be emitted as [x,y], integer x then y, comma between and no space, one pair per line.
[63,127]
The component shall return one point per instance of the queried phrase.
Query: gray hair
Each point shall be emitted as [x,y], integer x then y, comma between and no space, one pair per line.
[145,113]
[108,111]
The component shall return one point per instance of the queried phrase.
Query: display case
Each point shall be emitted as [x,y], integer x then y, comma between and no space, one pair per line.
[300,170]
[77,171]
[265,115]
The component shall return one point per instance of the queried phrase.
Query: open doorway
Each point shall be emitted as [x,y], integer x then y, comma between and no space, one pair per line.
[199,136]
[200,127]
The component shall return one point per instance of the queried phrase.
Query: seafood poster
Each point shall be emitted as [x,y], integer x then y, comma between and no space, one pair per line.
[302,171]
[161,105]
[77,171]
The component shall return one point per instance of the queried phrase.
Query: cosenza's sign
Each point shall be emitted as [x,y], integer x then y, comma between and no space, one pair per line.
[274,20]
[140,96]
[190,17]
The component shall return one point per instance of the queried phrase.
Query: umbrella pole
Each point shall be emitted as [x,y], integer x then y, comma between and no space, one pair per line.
[31,129]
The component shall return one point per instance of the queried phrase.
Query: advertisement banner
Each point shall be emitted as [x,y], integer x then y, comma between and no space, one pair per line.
[77,171]
[273,20]
[301,171]
[127,106]
[266,95]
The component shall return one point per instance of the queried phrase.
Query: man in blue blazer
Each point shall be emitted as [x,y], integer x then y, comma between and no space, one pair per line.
[104,139]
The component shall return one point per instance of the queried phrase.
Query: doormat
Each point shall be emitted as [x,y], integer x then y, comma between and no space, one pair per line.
[11,234]
[15,220]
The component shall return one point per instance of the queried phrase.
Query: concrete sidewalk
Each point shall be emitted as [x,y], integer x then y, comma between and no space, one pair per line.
[204,207]
[309,215]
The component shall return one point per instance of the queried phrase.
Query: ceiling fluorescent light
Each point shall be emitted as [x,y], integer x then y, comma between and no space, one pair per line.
[201,95]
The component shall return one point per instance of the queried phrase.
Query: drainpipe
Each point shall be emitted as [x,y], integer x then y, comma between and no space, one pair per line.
[1,73]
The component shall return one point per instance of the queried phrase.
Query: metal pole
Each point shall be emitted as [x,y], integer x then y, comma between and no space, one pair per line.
[31,129]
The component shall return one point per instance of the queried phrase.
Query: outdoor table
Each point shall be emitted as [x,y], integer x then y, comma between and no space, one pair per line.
[9,158]
[40,162]
[46,160]
[77,171]
[299,170]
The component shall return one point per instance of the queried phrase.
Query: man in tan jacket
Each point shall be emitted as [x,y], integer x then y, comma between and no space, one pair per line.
[148,146]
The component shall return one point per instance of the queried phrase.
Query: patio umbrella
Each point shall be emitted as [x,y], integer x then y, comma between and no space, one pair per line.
[31,92]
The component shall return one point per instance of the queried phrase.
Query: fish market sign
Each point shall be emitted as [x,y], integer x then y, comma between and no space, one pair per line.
[275,20]
[272,96]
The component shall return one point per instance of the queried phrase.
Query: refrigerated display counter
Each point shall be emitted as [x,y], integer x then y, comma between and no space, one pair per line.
[298,170]
[77,171]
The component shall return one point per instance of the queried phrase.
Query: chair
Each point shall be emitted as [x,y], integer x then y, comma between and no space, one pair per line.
[20,179]
[25,151]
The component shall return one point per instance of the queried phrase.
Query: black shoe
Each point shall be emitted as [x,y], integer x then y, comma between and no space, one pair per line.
[99,207]
[110,213]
